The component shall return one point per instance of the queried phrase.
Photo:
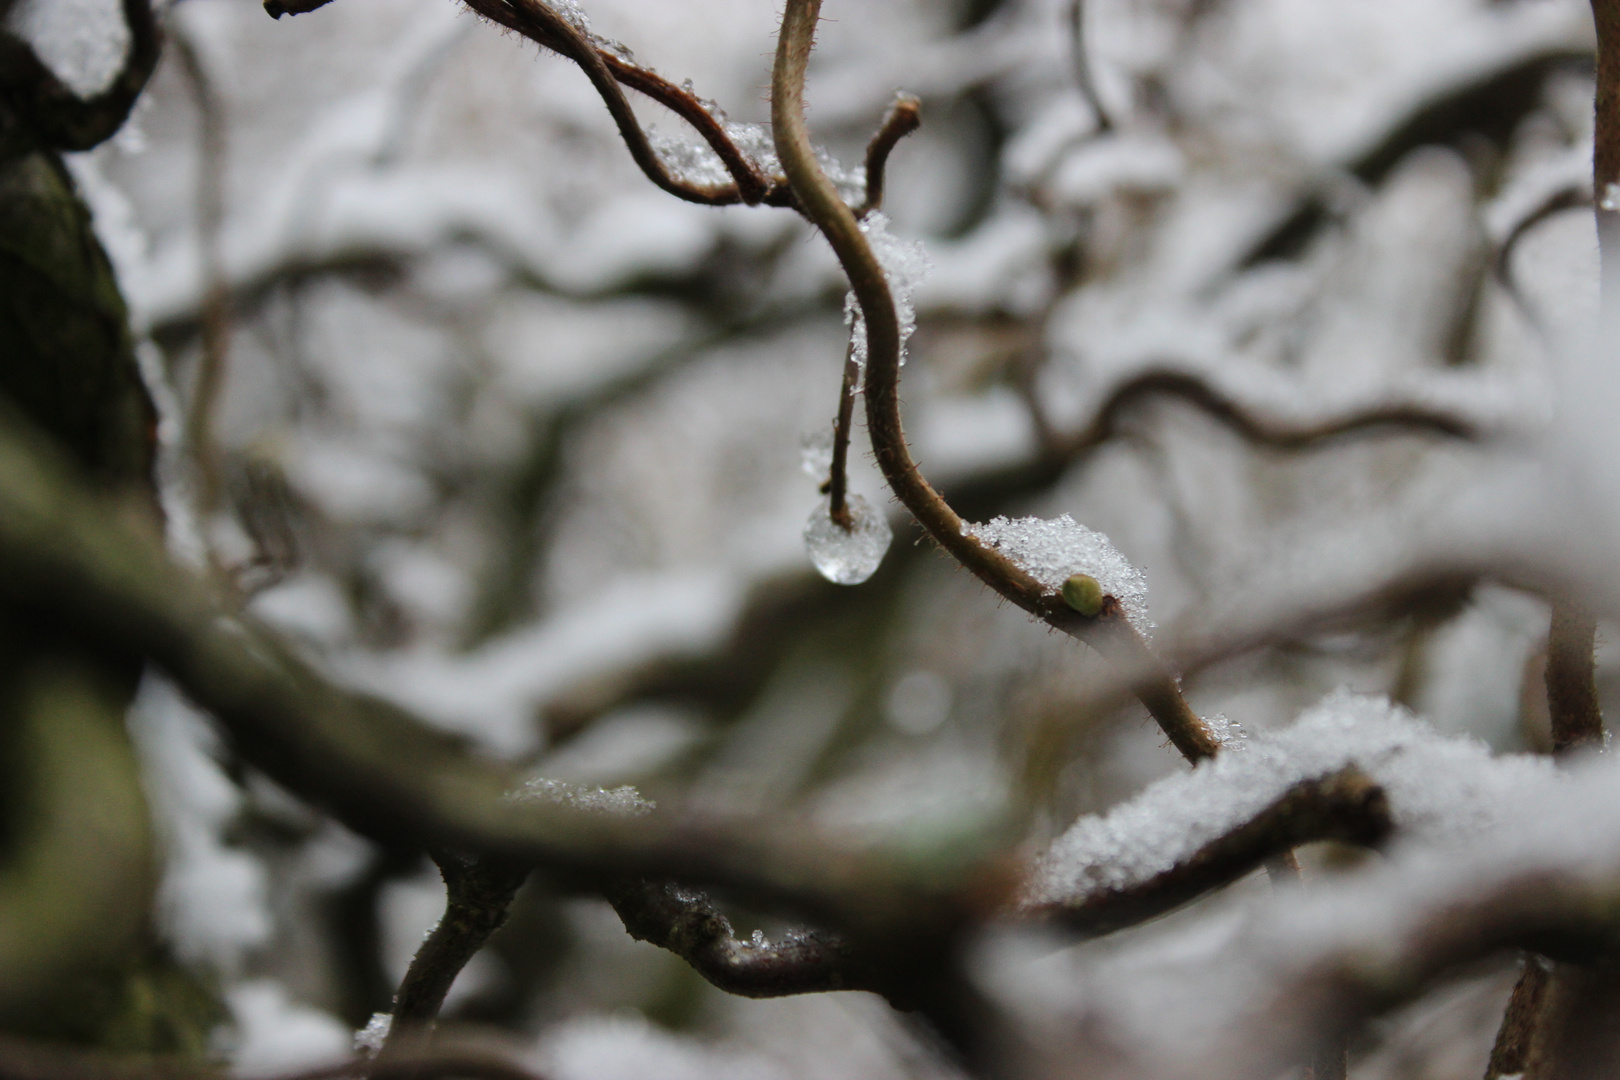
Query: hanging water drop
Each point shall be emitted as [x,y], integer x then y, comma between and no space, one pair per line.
[847,557]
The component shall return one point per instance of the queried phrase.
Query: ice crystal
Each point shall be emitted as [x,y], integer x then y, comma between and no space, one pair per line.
[624,800]
[816,454]
[905,265]
[1050,551]
[847,557]
[369,1039]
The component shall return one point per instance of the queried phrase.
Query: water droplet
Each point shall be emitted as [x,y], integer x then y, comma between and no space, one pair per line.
[1611,197]
[815,453]
[847,558]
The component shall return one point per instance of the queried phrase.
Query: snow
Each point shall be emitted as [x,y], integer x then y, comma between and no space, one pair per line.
[847,557]
[82,41]
[905,264]
[275,1034]
[623,801]
[1052,550]
[1441,791]
[626,1047]
[369,1039]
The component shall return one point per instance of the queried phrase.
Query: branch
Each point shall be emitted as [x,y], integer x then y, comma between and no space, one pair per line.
[903,117]
[54,114]
[1572,701]
[1345,805]
[1109,631]
[1248,422]
[384,773]
[478,894]
[690,926]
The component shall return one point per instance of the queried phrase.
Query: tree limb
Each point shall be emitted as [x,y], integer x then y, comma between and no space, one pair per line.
[1345,805]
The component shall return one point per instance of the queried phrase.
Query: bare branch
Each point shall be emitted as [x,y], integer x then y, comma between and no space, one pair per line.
[1345,805]
[1572,701]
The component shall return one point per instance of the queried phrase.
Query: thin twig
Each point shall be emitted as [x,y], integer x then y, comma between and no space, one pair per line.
[1109,631]
[903,117]
[216,314]
[1572,701]
[838,478]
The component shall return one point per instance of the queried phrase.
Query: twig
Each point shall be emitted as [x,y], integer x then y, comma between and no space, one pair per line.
[903,117]
[838,478]
[1082,66]
[1511,1053]
[1110,632]
[1345,805]
[690,926]
[1572,701]
[216,314]
[478,894]
[1248,422]
[387,775]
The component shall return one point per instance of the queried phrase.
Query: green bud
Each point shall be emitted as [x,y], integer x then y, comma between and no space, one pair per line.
[1082,593]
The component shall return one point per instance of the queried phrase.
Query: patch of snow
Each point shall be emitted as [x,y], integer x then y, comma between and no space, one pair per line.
[1052,550]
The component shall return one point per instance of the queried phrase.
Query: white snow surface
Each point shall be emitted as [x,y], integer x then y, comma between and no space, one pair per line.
[1441,790]
[1053,550]
[624,800]
[905,264]
[83,42]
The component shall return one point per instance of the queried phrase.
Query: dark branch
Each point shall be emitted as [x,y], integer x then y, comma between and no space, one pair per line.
[688,925]
[1345,806]
[1247,422]
[384,773]
[1572,701]
[478,894]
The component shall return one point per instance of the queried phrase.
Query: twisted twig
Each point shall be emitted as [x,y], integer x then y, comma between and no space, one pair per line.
[819,200]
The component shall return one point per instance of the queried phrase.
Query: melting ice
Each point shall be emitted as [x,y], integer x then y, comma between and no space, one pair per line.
[847,558]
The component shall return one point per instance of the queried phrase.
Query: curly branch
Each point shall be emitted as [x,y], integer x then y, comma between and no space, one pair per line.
[1345,805]
[55,115]
[1247,421]
[1109,631]
[690,926]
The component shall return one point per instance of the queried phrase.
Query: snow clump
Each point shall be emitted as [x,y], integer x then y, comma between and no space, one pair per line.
[1050,551]
[625,801]
[905,265]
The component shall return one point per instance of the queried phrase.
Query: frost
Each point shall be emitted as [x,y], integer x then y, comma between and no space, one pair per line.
[369,1039]
[625,801]
[1050,551]
[1229,733]
[816,454]
[758,940]
[1440,790]
[905,264]
[573,13]
[847,558]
